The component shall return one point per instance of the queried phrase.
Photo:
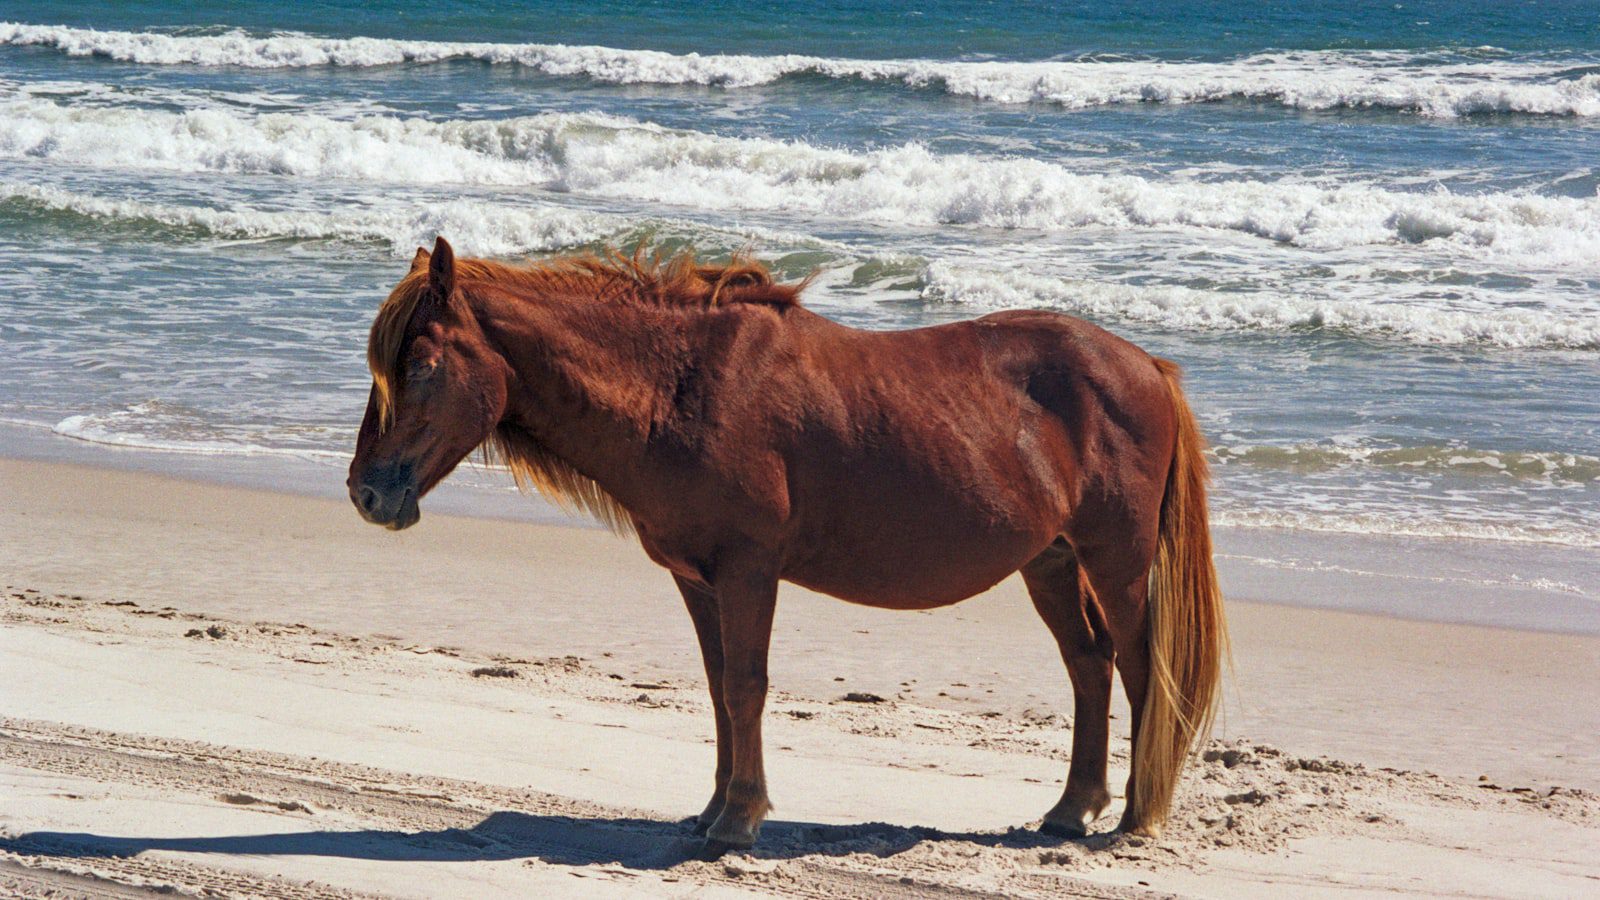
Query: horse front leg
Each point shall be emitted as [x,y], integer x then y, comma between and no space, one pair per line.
[746,598]
[702,606]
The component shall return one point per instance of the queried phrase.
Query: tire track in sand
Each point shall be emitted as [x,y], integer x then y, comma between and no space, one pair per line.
[406,816]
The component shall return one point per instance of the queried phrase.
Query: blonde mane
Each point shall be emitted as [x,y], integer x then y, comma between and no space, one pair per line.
[534,467]
[612,277]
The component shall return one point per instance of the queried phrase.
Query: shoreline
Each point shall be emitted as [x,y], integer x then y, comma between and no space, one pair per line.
[520,588]
[1524,586]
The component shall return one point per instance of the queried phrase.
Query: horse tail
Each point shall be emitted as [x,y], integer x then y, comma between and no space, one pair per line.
[1188,632]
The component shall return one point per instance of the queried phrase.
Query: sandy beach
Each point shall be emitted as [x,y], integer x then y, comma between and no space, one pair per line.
[873,356]
[215,688]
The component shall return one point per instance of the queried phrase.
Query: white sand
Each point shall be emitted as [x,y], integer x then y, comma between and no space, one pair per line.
[349,752]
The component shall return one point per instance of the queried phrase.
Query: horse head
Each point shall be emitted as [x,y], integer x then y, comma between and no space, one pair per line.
[439,388]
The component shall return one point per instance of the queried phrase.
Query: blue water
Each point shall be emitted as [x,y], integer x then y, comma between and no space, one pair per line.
[1008,30]
[1370,231]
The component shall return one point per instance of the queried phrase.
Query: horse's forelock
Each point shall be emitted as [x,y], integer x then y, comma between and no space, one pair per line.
[386,341]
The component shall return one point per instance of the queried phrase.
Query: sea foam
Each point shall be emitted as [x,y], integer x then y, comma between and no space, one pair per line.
[158,425]
[607,156]
[479,227]
[707,175]
[1314,80]
[489,229]
[1546,467]
[1190,309]
[1403,522]
[500,231]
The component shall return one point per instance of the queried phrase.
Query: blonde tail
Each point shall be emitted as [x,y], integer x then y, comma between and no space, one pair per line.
[1188,632]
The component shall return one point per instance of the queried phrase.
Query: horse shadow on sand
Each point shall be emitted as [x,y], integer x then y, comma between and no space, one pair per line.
[635,843]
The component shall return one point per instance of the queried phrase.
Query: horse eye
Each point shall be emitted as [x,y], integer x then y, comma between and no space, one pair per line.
[421,368]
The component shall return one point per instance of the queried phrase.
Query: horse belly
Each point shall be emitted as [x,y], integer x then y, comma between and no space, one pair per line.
[907,568]
[946,510]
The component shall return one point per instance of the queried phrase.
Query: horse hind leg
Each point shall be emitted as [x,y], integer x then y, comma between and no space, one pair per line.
[1120,579]
[1067,604]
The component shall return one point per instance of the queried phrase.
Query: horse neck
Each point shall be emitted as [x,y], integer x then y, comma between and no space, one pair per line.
[589,378]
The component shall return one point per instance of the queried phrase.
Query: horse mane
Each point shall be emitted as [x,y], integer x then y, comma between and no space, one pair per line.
[534,467]
[677,282]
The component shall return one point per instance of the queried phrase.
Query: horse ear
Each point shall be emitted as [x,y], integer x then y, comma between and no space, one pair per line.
[442,268]
[420,260]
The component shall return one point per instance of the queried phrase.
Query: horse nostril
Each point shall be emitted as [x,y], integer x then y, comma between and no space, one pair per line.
[367,499]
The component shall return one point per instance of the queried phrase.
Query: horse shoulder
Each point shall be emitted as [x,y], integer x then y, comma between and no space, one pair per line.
[719,442]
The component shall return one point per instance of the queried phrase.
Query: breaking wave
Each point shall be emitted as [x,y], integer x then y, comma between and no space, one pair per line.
[1190,309]
[478,227]
[1312,80]
[491,229]
[606,156]
[502,231]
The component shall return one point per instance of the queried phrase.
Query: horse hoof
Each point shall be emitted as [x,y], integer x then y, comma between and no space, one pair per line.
[732,836]
[1068,830]
[712,850]
[1144,830]
[701,826]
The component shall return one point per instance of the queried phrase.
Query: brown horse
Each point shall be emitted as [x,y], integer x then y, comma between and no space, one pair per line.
[748,441]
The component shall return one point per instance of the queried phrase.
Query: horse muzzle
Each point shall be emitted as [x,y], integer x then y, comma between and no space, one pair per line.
[387,496]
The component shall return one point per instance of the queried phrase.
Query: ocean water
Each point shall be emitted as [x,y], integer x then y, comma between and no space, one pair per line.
[1370,231]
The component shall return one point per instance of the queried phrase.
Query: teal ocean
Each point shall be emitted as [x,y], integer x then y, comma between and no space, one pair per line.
[1370,231]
